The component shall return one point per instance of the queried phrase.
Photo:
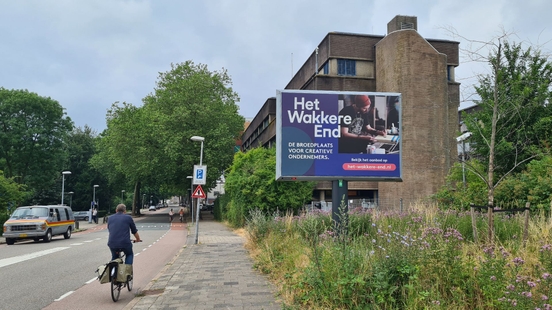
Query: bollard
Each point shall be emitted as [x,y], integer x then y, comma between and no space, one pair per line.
[76,225]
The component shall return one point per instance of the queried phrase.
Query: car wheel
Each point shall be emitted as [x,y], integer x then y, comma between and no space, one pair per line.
[48,236]
[67,234]
[10,241]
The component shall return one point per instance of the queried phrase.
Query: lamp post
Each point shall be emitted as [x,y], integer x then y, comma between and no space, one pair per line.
[63,184]
[462,138]
[143,200]
[123,196]
[191,193]
[198,139]
[71,199]
[92,204]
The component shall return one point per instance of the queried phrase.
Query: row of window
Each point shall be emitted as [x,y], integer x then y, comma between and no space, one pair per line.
[345,67]
[257,132]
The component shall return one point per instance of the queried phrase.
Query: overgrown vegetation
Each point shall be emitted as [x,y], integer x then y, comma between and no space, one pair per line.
[421,259]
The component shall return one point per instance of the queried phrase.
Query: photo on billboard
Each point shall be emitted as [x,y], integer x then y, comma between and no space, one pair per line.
[329,135]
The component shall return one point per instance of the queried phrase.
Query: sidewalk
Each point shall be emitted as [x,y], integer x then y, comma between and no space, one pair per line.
[217,273]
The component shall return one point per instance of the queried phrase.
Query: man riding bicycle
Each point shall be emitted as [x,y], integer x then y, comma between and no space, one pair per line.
[120,225]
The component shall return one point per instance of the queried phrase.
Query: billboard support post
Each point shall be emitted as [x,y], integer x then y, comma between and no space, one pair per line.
[339,214]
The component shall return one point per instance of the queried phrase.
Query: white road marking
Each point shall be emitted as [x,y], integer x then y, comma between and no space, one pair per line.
[91,280]
[64,295]
[21,258]
[77,243]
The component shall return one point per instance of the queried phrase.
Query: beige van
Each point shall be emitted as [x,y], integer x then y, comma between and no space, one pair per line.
[39,222]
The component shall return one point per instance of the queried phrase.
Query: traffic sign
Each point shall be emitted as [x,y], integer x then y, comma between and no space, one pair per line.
[198,193]
[200,175]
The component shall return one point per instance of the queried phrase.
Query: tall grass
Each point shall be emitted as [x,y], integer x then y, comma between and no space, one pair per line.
[424,258]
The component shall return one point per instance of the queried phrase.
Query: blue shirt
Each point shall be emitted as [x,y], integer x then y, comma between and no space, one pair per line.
[120,226]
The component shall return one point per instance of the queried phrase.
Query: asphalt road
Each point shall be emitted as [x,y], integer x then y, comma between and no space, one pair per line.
[61,274]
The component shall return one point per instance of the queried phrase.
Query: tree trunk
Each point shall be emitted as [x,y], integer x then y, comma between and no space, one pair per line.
[135,200]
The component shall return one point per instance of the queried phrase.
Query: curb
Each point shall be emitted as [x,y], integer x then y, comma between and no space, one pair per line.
[148,286]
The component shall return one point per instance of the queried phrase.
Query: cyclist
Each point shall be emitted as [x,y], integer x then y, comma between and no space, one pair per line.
[120,225]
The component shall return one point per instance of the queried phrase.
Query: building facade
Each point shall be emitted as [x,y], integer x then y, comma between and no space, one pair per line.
[402,61]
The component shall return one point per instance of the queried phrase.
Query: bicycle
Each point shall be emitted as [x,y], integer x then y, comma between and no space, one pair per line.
[116,285]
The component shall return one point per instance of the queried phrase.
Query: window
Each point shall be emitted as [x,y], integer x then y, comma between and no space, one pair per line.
[327,68]
[346,67]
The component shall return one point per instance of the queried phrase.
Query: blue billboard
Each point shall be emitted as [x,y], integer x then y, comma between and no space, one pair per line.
[329,135]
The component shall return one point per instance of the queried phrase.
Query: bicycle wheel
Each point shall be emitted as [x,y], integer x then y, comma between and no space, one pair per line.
[129,283]
[115,286]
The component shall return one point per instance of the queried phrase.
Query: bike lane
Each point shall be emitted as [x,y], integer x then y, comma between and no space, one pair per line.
[148,263]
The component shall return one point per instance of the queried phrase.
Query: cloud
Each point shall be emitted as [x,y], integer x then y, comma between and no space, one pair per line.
[89,54]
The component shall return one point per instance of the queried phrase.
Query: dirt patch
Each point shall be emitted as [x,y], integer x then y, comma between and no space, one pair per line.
[152,292]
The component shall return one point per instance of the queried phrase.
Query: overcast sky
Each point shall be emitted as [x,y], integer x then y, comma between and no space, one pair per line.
[89,54]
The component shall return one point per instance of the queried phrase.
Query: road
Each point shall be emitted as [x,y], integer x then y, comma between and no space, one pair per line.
[61,274]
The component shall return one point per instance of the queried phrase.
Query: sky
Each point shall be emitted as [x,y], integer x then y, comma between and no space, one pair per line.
[89,54]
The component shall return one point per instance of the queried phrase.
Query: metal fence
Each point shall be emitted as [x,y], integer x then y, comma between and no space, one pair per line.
[398,204]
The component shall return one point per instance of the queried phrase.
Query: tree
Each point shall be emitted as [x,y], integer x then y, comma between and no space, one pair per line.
[11,194]
[127,149]
[251,184]
[32,134]
[513,102]
[80,147]
[150,145]
[190,100]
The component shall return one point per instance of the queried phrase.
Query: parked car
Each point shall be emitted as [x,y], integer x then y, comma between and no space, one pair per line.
[81,215]
[152,208]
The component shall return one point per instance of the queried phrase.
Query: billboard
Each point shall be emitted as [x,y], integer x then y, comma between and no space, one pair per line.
[330,135]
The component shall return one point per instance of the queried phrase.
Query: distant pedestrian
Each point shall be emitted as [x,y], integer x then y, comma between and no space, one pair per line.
[171,214]
[95,215]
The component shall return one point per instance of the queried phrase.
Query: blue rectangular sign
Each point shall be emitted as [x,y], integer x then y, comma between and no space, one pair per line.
[328,135]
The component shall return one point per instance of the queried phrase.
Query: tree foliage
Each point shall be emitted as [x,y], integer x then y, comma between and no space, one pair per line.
[80,147]
[11,194]
[512,108]
[533,185]
[251,184]
[190,100]
[32,134]
[514,103]
[150,145]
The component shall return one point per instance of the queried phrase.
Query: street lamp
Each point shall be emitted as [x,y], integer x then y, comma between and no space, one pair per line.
[198,139]
[191,193]
[71,199]
[63,184]
[92,204]
[462,138]
[123,196]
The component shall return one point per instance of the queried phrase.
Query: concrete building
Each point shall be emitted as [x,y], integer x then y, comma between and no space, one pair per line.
[401,61]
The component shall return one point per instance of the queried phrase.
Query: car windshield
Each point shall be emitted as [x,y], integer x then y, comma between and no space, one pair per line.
[29,213]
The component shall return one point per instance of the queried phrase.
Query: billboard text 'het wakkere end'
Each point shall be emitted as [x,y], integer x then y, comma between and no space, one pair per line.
[328,135]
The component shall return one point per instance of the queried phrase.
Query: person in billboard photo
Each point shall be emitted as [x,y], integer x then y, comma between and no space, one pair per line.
[359,132]
[393,107]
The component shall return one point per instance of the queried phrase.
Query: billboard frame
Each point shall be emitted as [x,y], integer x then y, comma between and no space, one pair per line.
[310,123]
